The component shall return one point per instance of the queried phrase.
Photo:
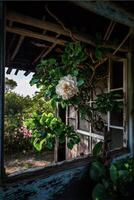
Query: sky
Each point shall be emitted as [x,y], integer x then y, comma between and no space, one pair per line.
[23,86]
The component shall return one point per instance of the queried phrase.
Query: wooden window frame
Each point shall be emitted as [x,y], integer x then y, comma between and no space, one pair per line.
[31,173]
[2,80]
[125,101]
[65,165]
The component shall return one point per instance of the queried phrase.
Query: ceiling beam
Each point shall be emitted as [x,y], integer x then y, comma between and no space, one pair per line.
[45,25]
[27,73]
[109,10]
[17,47]
[45,52]
[15,17]
[16,72]
[32,34]
[9,70]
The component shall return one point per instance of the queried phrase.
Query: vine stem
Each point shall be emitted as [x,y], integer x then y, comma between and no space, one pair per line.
[61,23]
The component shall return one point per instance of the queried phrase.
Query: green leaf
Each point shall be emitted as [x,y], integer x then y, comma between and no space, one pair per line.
[53,103]
[38,144]
[97,171]
[98,54]
[100,193]
[114,173]
[80,82]
[70,145]
[63,104]
[43,119]
[52,61]
[34,81]
[75,73]
[97,148]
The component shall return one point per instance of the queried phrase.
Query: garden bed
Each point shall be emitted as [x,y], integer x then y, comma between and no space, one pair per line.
[22,161]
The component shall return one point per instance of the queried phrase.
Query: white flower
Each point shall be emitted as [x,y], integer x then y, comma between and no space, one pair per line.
[67,87]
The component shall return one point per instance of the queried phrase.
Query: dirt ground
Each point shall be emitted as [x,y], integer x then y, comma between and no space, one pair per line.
[20,162]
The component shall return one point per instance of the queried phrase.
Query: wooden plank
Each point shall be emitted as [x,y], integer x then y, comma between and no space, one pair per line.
[16,17]
[27,73]
[17,47]
[31,34]
[130,99]
[124,40]
[108,10]
[2,79]
[9,70]
[16,72]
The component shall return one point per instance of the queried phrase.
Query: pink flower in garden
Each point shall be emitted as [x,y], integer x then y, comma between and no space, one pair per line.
[26,133]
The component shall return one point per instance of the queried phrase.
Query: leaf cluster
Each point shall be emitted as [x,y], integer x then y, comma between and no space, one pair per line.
[113,179]
[46,128]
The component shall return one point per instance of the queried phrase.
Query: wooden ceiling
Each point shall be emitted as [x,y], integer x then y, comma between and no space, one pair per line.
[36,30]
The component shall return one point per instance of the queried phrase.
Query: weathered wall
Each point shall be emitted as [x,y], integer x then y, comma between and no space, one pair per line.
[70,184]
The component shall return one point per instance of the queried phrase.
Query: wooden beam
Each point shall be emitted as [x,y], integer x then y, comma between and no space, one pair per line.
[40,45]
[130,99]
[27,73]
[9,47]
[45,52]
[109,10]
[16,72]
[13,16]
[124,40]
[31,34]
[9,70]
[17,47]
[2,80]
[54,28]
[49,50]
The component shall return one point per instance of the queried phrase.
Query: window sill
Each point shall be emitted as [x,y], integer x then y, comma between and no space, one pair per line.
[119,153]
[51,169]
[33,173]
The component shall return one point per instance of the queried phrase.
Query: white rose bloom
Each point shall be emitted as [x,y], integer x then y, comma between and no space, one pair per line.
[67,87]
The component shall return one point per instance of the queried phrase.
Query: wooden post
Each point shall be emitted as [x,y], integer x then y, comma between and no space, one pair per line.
[60,149]
[131,95]
[2,79]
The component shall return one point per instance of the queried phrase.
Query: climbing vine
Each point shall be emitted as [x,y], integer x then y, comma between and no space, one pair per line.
[71,79]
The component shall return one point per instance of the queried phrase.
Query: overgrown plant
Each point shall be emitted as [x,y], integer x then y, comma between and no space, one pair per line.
[44,129]
[112,181]
[72,78]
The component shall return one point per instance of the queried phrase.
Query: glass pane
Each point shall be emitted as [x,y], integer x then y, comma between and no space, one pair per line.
[118,94]
[100,87]
[116,74]
[71,112]
[116,118]
[116,138]
[84,145]
[83,124]
[72,122]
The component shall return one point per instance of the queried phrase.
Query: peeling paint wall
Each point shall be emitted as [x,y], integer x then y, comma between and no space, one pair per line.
[67,185]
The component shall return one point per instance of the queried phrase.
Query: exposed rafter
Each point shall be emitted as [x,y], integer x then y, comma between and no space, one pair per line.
[27,73]
[32,34]
[9,70]
[16,72]
[45,52]
[17,47]
[45,25]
